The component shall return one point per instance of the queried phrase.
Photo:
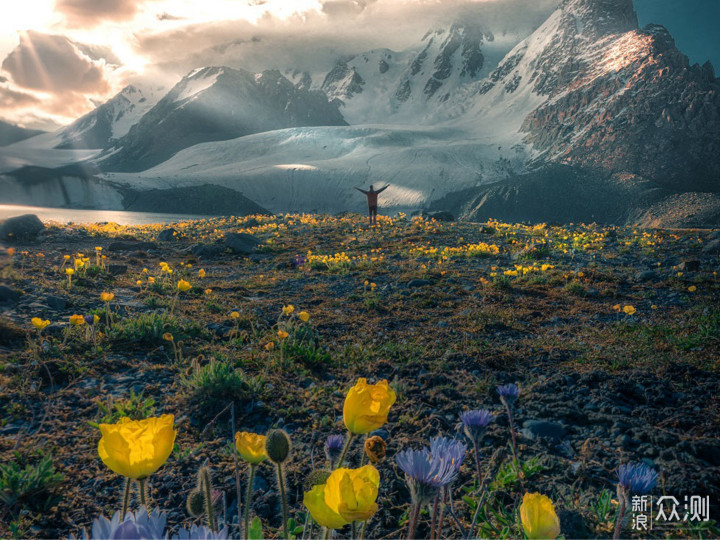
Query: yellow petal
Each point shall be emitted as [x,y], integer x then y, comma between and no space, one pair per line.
[137,448]
[314,501]
[538,517]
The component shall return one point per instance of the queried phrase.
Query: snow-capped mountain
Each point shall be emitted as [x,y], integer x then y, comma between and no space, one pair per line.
[453,119]
[111,120]
[411,86]
[215,104]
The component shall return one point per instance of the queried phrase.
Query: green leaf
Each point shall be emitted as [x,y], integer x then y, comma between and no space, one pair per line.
[255,532]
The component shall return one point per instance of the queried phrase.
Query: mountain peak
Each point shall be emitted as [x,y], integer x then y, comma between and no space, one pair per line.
[597,18]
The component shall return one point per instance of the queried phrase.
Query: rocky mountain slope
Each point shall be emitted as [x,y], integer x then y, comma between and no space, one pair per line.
[214,104]
[111,120]
[10,133]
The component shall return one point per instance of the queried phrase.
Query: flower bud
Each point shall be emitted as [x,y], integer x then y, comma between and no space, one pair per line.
[196,503]
[277,445]
[316,478]
[375,448]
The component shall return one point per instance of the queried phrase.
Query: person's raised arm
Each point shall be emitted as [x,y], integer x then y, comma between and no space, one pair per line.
[383,189]
[361,190]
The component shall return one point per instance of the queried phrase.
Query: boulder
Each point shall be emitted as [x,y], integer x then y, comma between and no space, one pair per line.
[25,227]
[692,265]
[535,429]
[167,235]
[8,294]
[241,242]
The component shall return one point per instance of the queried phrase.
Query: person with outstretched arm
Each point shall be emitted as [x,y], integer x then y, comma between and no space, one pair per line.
[372,199]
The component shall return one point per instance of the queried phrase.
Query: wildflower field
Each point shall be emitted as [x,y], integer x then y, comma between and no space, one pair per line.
[305,376]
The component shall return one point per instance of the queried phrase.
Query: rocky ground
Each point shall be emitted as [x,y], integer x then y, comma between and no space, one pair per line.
[612,335]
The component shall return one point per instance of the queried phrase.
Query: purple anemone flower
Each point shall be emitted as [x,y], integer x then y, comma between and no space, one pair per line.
[449,450]
[201,533]
[138,525]
[508,393]
[334,445]
[637,478]
[425,474]
[475,423]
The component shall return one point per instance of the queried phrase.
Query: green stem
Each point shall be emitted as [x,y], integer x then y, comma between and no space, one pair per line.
[283,496]
[126,498]
[248,494]
[412,522]
[620,518]
[345,449]
[207,487]
[142,491]
[362,530]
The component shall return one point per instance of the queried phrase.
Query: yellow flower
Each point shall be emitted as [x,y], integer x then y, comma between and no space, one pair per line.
[348,495]
[287,310]
[692,288]
[38,323]
[270,346]
[201,273]
[538,517]
[151,280]
[77,320]
[167,336]
[79,264]
[208,292]
[250,446]
[304,316]
[69,271]
[234,315]
[98,248]
[629,310]
[138,282]
[183,286]
[107,296]
[367,406]
[282,334]
[617,308]
[137,448]
[66,257]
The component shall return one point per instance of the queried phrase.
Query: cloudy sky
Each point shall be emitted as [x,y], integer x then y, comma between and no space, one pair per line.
[60,58]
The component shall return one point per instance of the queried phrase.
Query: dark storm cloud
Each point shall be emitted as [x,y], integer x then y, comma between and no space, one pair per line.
[54,64]
[88,13]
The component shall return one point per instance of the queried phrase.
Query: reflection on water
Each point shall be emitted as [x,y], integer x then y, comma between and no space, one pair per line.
[69,215]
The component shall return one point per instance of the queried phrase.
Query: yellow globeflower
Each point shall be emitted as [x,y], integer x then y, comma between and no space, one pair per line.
[304,316]
[538,517]
[201,273]
[282,334]
[77,320]
[234,315]
[137,448]
[629,310]
[208,292]
[167,336]
[39,323]
[183,286]
[269,346]
[250,446]
[287,310]
[107,296]
[348,495]
[367,405]
[69,271]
